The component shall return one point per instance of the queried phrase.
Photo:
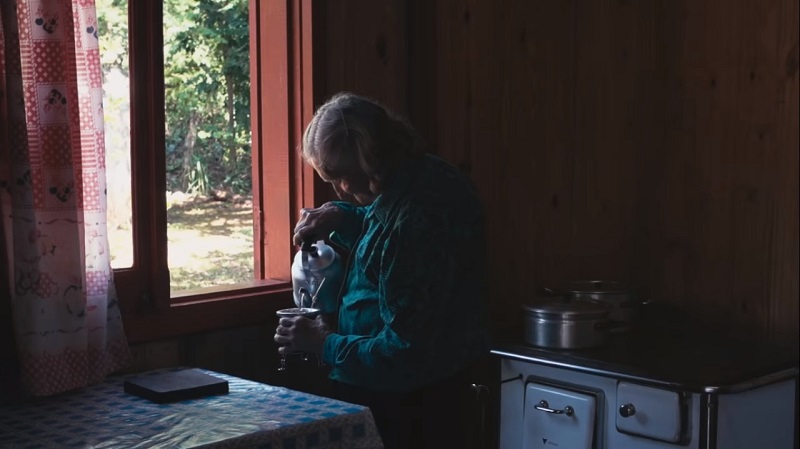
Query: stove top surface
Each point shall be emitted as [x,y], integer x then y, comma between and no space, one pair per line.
[688,358]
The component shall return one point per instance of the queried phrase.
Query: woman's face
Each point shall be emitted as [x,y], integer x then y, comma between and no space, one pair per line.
[355,186]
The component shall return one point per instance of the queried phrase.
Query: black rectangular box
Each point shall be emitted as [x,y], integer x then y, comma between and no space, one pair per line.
[171,386]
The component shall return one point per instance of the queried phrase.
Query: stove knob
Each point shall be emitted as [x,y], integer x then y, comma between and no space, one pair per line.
[627,410]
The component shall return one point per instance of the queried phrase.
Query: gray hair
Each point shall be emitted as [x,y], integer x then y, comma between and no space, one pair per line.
[351,134]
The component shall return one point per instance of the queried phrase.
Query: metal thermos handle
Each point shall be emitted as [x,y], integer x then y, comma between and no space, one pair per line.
[545,407]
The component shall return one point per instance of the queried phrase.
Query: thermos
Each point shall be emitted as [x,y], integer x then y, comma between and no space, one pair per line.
[317,274]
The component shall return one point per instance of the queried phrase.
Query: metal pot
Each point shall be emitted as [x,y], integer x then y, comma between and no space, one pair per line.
[624,306]
[564,323]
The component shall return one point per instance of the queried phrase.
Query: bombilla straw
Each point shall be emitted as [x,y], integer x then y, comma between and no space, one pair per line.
[316,293]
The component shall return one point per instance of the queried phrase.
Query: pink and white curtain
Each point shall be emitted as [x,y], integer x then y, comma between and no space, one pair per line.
[64,308]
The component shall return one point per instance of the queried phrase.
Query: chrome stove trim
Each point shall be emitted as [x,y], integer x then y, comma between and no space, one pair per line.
[767,379]
[708,417]
[584,369]
[788,373]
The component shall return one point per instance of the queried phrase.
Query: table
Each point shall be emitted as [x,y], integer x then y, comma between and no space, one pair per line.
[251,415]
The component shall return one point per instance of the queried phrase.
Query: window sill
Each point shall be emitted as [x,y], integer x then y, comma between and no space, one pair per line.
[208,311]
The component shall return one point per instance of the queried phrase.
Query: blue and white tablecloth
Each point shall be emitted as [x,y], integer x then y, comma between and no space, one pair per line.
[251,415]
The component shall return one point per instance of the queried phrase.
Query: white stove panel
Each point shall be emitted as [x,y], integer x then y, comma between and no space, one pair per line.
[759,418]
[649,412]
[517,375]
[557,418]
[766,412]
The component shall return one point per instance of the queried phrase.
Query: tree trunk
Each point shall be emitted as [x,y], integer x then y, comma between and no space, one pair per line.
[187,147]
[231,146]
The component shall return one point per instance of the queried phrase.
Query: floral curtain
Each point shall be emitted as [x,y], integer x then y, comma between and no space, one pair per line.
[64,309]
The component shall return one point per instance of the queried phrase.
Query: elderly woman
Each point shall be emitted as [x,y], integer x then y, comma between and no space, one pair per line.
[411,311]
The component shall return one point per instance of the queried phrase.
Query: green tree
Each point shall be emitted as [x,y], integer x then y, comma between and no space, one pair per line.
[207,88]
[113,34]
[206,50]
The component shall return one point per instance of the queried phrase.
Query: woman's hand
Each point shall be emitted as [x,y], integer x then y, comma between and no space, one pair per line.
[300,334]
[317,224]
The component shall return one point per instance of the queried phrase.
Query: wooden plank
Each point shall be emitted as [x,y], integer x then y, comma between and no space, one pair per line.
[453,101]
[613,45]
[522,157]
[784,288]
[276,93]
[366,43]
[723,217]
[422,67]
[503,104]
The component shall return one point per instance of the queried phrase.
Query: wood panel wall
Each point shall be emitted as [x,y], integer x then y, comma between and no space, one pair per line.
[650,142]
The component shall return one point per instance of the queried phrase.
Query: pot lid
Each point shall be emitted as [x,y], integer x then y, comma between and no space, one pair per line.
[597,287]
[564,307]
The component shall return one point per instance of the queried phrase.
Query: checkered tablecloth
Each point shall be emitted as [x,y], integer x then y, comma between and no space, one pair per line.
[251,415]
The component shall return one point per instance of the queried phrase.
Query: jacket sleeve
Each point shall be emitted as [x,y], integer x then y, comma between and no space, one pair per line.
[350,229]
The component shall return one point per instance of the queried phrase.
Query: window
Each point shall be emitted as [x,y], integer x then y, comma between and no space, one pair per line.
[281,103]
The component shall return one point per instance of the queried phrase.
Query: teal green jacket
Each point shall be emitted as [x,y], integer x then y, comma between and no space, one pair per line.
[412,308]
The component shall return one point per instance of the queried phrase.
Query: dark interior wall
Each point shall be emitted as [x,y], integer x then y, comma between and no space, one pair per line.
[720,223]
[651,142]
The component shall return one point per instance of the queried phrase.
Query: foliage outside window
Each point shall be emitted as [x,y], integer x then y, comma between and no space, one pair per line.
[207,96]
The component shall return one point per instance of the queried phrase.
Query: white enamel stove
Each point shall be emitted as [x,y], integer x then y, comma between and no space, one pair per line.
[607,399]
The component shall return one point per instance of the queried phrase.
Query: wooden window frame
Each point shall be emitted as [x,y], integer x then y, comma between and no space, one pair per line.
[282,101]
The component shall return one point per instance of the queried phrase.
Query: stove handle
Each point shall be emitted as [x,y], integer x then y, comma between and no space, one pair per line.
[627,410]
[545,407]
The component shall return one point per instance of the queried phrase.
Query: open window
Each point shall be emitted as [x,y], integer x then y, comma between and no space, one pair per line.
[281,102]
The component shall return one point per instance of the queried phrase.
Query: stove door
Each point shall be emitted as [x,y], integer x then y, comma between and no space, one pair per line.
[555,417]
[650,412]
